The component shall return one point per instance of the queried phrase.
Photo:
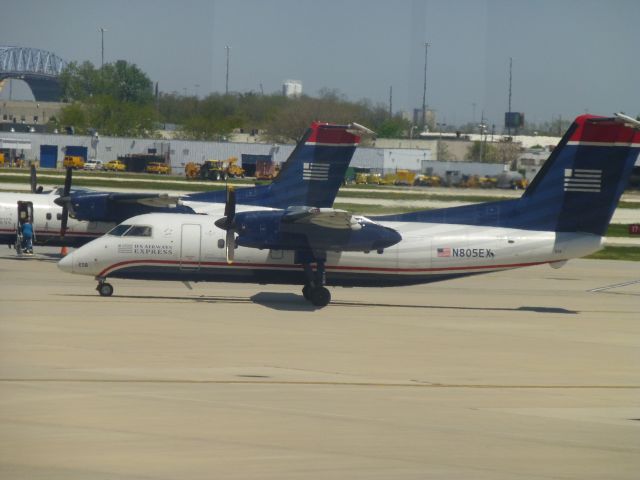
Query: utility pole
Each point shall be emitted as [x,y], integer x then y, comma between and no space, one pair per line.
[424,89]
[102,30]
[509,109]
[482,136]
[226,85]
[391,101]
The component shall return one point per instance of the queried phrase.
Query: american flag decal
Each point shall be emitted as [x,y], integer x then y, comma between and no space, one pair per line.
[444,252]
[582,180]
[125,248]
[315,171]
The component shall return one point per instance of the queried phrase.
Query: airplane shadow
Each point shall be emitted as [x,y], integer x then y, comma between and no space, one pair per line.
[284,301]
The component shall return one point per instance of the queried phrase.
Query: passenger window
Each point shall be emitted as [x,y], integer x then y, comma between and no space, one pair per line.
[119,230]
[59,216]
[49,216]
[139,231]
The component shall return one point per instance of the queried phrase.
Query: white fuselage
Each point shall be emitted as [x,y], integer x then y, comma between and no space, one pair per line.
[46,220]
[191,247]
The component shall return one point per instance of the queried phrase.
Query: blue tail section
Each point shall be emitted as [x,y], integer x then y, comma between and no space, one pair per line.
[577,190]
[311,176]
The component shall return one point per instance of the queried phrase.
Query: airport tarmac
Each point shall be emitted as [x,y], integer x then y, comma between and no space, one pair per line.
[524,374]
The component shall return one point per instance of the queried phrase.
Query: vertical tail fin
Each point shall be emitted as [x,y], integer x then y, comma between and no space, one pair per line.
[314,171]
[312,174]
[580,184]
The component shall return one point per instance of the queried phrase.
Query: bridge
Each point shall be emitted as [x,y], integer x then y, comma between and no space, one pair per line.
[38,68]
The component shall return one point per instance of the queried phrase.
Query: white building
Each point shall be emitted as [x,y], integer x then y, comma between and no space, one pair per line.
[292,88]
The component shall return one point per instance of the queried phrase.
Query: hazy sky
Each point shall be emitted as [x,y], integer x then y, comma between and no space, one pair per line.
[569,56]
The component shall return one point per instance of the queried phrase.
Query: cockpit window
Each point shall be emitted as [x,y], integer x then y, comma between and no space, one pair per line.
[138,231]
[119,230]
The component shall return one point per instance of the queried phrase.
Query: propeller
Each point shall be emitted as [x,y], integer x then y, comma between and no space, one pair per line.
[65,201]
[33,179]
[227,223]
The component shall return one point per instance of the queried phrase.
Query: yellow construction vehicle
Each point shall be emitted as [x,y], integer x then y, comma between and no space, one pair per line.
[214,169]
[404,177]
[233,169]
[73,161]
[192,170]
[361,178]
[158,167]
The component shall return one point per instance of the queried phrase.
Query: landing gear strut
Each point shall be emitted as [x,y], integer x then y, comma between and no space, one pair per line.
[104,289]
[314,289]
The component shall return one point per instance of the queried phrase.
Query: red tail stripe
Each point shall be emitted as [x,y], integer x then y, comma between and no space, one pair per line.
[332,134]
[612,131]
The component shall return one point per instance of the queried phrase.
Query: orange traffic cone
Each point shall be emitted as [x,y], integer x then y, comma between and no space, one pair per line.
[64,251]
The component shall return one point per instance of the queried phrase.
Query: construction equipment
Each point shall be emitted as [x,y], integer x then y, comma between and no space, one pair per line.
[73,161]
[404,177]
[428,181]
[115,166]
[158,167]
[192,170]
[361,178]
[233,169]
[215,169]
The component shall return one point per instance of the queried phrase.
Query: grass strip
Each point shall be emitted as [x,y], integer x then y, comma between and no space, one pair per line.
[617,253]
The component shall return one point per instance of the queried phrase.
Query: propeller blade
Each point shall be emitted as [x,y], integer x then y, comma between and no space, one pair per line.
[230,205]
[67,182]
[230,245]
[33,179]
[65,201]
[64,220]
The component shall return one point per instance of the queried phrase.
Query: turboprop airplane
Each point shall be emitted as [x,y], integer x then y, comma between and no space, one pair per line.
[311,175]
[563,214]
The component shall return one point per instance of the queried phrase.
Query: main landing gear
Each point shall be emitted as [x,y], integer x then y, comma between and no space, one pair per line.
[314,290]
[104,289]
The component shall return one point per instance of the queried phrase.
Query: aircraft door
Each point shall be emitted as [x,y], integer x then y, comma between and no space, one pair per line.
[190,247]
[25,213]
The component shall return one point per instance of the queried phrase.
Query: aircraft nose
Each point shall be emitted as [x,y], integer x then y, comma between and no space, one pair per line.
[66,263]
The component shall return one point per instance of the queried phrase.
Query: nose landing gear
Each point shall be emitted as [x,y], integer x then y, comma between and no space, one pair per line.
[104,289]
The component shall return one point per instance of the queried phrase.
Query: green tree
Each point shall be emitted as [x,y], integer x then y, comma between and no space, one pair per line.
[395,127]
[79,81]
[126,83]
[74,115]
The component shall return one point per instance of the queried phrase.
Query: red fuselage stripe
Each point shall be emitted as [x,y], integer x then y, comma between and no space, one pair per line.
[387,270]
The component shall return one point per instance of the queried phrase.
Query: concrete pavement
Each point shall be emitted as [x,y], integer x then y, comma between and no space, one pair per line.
[521,374]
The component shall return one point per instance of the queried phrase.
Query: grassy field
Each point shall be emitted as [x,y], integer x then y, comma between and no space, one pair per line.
[618,253]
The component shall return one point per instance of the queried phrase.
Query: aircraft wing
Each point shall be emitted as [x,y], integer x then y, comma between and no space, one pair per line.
[308,228]
[150,200]
[323,217]
[117,207]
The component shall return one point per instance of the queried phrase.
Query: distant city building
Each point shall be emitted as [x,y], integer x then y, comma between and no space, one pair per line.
[292,88]
[429,118]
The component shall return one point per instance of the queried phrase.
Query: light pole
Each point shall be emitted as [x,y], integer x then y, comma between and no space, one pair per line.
[226,85]
[102,30]
[424,89]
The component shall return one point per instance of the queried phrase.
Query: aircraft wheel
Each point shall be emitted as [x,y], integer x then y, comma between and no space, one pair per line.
[320,297]
[306,292]
[105,289]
